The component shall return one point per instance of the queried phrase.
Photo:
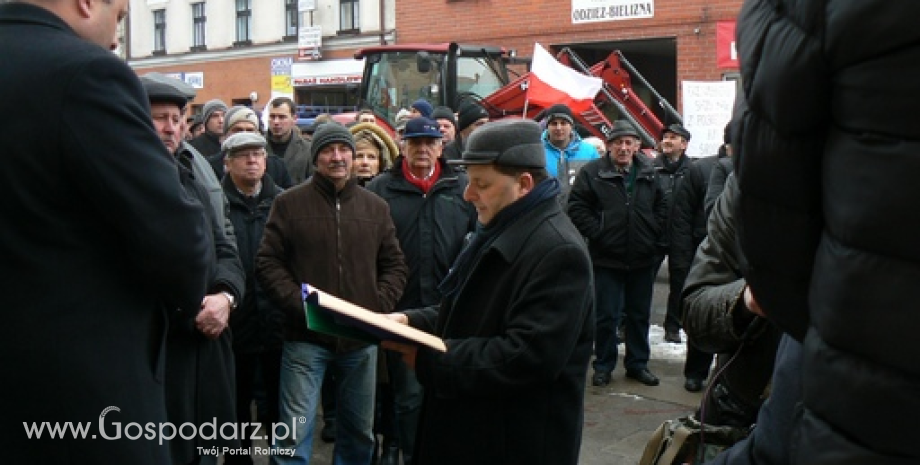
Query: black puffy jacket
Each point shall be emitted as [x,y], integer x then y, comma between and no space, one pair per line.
[829,151]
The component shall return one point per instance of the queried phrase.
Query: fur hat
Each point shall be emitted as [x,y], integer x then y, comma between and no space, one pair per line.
[423,107]
[237,114]
[468,112]
[210,107]
[377,136]
[509,142]
[328,133]
[559,111]
[622,128]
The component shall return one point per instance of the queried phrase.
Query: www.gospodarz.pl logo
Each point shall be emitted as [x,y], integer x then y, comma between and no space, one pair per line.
[166,431]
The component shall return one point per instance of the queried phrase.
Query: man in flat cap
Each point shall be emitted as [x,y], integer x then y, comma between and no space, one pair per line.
[333,234]
[256,322]
[516,314]
[673,164]
[242,119]
[199,380]
[618,205]
[98,238]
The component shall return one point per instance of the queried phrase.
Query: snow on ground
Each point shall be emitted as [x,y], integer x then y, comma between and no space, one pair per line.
[663,350]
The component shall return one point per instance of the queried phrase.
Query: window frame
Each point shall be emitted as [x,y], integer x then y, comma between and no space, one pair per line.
[354,26]
[199,26]
[243,23]
[159,32]
[291,21]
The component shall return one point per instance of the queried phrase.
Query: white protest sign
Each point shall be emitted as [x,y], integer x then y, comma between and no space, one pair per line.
[707,108]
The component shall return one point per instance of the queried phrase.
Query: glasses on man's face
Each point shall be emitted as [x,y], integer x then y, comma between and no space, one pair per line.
[247,153]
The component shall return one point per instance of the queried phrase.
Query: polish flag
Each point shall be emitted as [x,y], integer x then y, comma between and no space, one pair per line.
[552,82]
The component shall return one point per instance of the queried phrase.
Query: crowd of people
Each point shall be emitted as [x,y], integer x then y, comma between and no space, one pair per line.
[155,261]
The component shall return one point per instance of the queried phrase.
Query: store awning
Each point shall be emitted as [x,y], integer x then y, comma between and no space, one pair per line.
[327,72]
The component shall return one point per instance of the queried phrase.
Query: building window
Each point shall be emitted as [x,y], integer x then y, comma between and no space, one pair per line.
[243,22]
[349,19]
[291,20]
[198,26]
[159,32]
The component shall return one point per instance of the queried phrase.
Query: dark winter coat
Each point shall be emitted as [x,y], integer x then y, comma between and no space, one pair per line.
[343,243]
[688,216]
[671,176]
[829,151]
[431,228]
[519,332]
[454,149]
[91,251]
[622,231]
[717,178]
[296,158]
[717,322]
[200,376]
[206,144]
[256,322]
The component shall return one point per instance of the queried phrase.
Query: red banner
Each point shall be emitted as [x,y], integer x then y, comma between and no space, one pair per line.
[726,52]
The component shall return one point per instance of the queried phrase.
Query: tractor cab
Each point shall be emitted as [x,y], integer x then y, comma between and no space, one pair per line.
[397,75]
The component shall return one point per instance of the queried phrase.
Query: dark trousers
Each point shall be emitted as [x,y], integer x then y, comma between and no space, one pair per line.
[676,278]
[268,364]
[627,295]
[697,363]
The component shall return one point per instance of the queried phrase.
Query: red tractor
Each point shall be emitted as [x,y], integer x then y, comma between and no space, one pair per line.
[444,74]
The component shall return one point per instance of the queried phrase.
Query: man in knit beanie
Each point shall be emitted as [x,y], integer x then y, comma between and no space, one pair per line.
[212,116]
[447,123]
[470,115]
[320,232]
[421,107]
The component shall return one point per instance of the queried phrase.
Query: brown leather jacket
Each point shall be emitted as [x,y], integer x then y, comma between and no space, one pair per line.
[342,242]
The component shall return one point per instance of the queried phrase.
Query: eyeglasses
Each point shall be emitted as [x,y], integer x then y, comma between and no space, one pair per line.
[254,153]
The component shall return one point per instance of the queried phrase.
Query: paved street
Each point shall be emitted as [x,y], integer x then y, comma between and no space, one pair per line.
[620,417]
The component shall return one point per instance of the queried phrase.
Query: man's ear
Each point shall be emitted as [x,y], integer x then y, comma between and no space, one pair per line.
[85,7]
[526,182]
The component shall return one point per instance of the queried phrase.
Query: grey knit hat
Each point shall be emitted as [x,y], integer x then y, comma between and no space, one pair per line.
[210,107]
[237,114]
[509,142]
[328,133]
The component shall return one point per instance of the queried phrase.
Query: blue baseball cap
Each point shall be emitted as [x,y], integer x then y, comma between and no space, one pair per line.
[422,127]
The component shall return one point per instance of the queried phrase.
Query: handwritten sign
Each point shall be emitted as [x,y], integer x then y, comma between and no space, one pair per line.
[707,108]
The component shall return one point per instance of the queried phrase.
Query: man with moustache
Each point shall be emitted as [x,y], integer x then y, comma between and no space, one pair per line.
[339,237]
